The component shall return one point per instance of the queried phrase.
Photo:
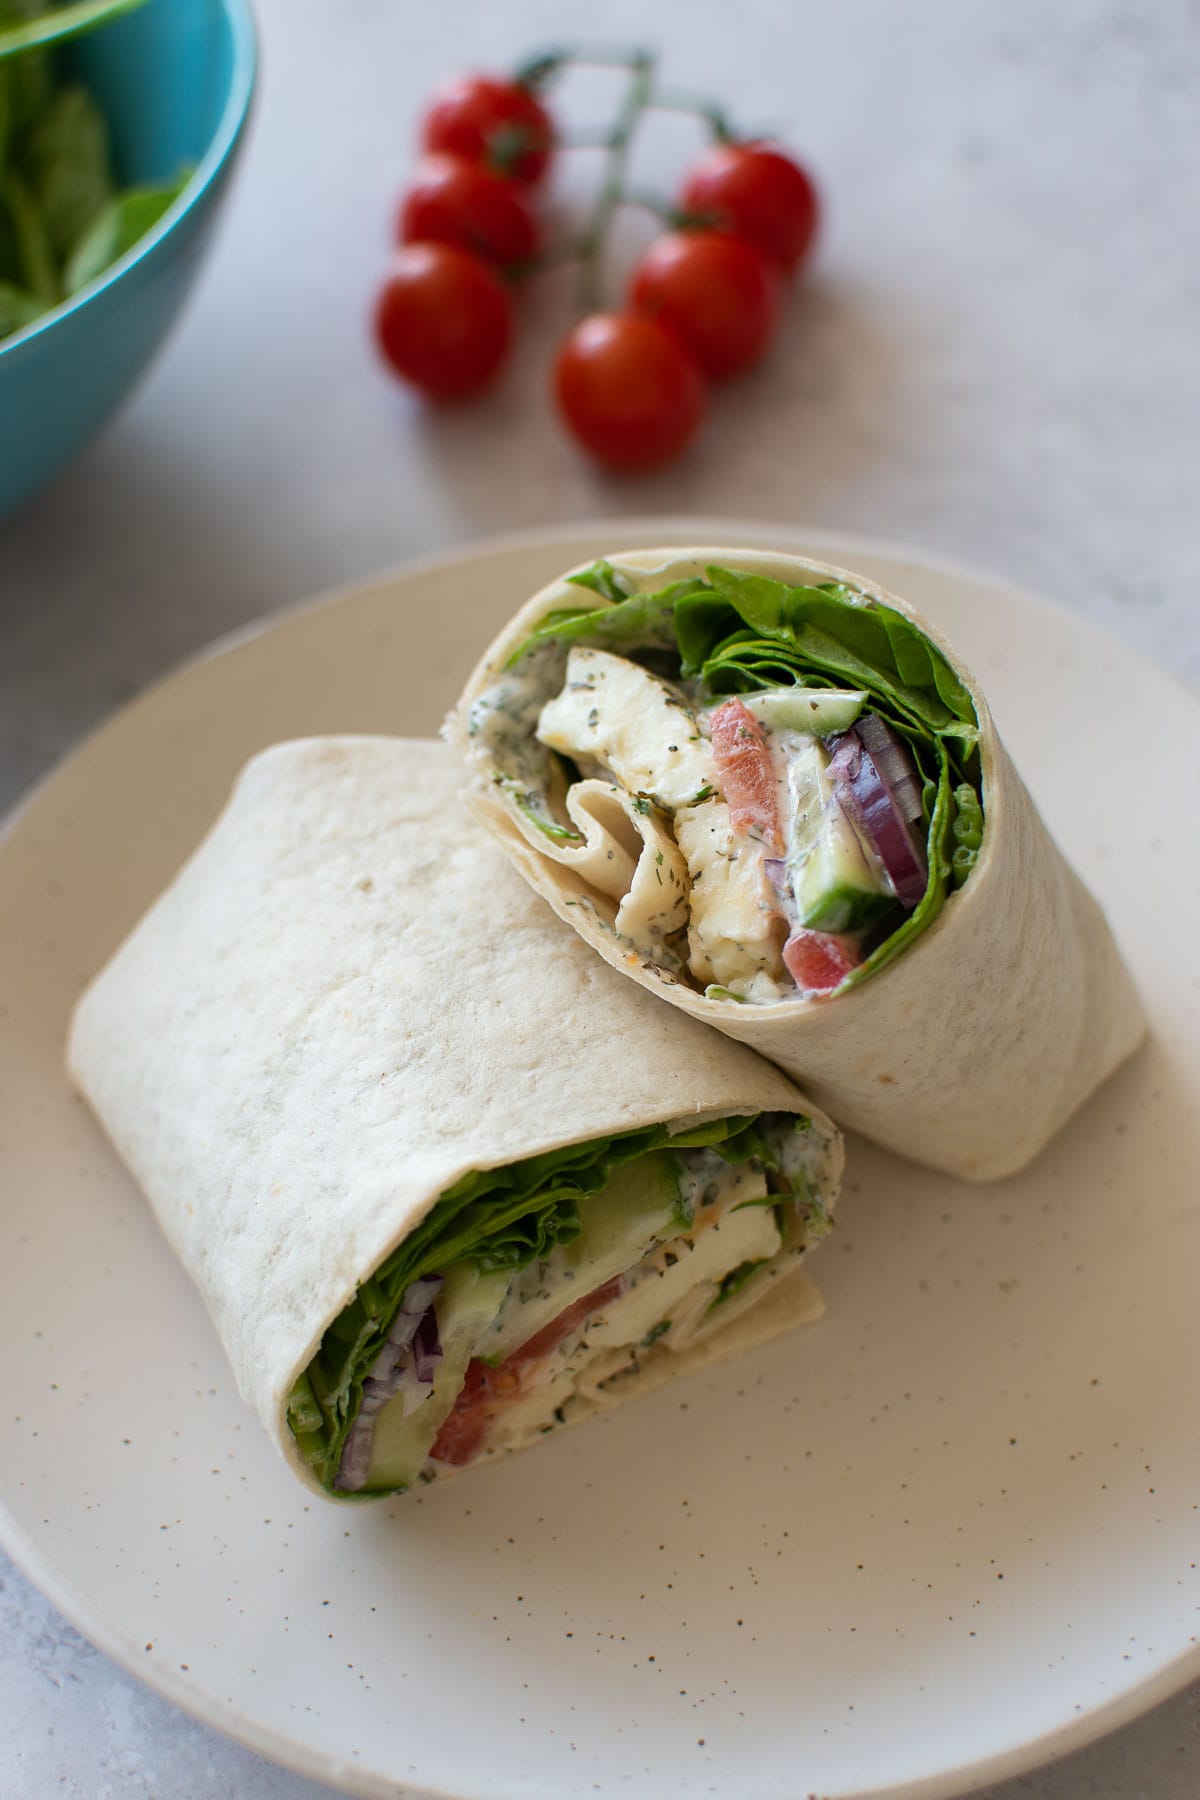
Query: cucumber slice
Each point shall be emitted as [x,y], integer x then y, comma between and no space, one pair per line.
[466,1306]
[663,1283]
[838,906]
[837,886]
[639,1205]
[818,712]
[811,792]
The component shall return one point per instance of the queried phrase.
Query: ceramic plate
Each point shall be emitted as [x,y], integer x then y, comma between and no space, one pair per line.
[945,1534]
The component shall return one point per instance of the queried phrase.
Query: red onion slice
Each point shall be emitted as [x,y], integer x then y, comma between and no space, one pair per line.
[876,780]
[427,1348]
[776,871]
[418,1297]
[408,1359]
[893,759]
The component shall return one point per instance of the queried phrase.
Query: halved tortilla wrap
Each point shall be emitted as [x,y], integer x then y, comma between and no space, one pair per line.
[443,1180]
[768,791]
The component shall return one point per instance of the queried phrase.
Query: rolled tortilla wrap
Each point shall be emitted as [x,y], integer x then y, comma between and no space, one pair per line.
[890,922]
[442,1179]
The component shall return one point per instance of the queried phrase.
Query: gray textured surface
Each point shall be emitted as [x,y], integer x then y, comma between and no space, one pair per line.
[996,360]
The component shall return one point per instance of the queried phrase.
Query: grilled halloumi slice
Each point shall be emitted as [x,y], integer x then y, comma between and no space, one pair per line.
[621,718]
[735,933]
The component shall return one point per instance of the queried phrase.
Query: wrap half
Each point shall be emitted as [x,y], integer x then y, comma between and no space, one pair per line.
[770,792]
[443,1180]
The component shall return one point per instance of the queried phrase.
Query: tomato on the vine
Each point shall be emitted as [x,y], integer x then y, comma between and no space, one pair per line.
[760,194]
[718,294]
[497,123]
[703,303]
[627,389]
[443,320]
[452,201]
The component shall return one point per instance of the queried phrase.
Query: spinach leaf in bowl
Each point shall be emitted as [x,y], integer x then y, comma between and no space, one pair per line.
[63,219]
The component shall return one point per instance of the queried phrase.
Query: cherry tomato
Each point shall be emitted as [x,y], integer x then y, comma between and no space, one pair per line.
[746,773]
[628,390]
[718,294]
[486,1392]
[819,962]
[497,123]
[465,1428]
[443,320]
[453,201]
[760,194]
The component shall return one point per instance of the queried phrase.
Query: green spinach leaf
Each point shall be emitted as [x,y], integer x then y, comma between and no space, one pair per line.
[62,220]
[65,154]
[123,222]
[18,308]
[33,257]
[26,26]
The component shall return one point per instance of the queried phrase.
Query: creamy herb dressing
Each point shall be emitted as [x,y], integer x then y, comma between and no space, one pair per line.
[502,722]
[679,1289]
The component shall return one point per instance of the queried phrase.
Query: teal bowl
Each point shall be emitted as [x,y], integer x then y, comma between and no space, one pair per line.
[175,79]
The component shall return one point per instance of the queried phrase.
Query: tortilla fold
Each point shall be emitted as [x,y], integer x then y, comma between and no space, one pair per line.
[973,1045]
[345,1003]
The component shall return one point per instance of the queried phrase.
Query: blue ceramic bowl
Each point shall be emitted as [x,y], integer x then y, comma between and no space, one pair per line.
[174,79]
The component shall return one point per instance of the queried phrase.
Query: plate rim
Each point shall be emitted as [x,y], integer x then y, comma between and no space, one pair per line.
[61,1588]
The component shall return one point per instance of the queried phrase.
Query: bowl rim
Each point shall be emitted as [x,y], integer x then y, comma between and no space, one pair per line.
[234,114]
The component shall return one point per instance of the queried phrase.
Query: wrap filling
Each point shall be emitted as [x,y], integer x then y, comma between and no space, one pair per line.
[768,790]
[528,1292]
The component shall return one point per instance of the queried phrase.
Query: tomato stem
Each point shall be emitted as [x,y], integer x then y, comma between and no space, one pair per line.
[656,205]
[548,65]
[637,97]
[571,250]
[585,140]
[642,95]
[696,106]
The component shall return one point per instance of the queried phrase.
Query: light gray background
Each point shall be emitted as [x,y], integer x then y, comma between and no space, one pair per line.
[996,359]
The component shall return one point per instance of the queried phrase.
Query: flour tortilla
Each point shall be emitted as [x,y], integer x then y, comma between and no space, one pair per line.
[344,1002]
[971,1048]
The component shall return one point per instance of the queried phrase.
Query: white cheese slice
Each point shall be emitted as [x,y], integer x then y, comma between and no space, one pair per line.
[617,716]
[677,1281]
[734,931]
[665,1278]
[533,1412]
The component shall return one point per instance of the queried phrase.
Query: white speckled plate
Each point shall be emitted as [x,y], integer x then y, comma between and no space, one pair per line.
[946,1534]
